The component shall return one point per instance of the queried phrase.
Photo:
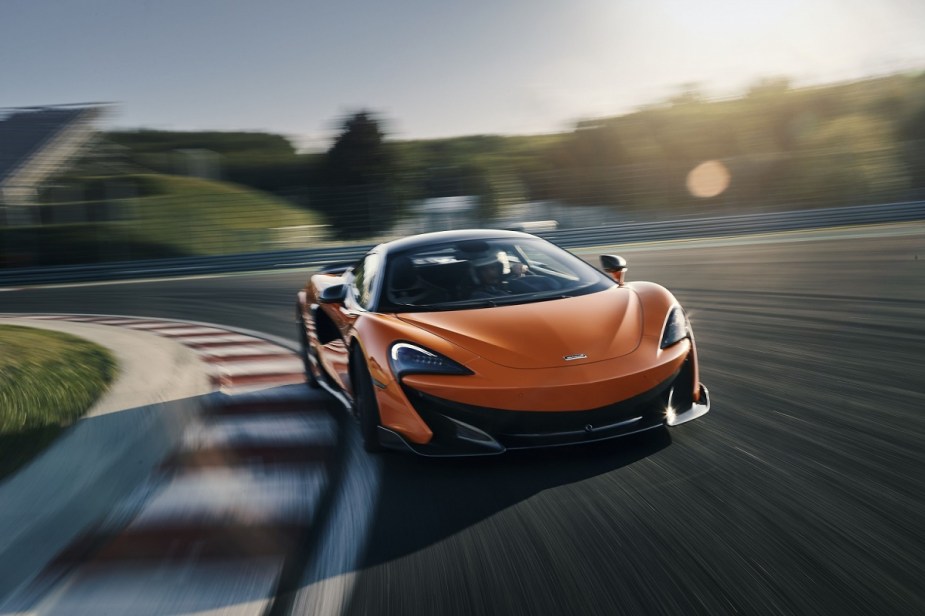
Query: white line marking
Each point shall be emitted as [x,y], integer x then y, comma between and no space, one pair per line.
[250,495]
[317,428]
[258,367]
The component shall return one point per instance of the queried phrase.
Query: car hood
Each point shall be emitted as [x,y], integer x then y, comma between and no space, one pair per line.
[600,326]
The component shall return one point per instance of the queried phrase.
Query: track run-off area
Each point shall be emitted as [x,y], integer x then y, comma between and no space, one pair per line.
[801,492]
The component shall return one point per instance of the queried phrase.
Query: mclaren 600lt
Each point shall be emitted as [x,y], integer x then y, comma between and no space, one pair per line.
[476,342]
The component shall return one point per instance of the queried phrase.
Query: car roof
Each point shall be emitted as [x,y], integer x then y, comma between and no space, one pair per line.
[439,237]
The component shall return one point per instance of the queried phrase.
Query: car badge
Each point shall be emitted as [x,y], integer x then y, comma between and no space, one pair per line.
[575,356]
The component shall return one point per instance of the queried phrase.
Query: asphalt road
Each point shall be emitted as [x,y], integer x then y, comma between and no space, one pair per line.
[801,492]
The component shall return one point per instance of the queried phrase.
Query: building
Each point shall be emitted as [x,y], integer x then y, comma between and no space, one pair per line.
[37,143]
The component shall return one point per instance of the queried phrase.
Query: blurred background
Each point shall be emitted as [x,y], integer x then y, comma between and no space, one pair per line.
[251,129]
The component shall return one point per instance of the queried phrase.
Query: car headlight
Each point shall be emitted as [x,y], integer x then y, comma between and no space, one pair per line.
[677,328]
[406,358]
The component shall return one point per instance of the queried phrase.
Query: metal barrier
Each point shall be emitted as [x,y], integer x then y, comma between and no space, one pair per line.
[738,224]
[715,226]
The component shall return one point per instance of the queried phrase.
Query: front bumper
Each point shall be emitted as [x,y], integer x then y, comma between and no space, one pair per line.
[466,430]
[676,417]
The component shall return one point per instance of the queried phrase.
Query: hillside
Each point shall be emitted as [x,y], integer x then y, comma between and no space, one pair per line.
[159,215]
[197,216]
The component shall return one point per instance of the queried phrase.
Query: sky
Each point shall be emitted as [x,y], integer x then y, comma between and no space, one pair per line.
[429,68]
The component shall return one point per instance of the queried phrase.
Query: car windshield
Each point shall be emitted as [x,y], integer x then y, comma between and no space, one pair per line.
[480,273]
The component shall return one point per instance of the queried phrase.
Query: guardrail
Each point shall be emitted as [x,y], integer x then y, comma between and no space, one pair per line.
[736,224]
[687,228]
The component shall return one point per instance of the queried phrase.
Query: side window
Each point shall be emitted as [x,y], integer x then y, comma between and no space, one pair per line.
[364,279]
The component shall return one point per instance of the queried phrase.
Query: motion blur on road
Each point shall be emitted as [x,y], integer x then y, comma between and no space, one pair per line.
[799,493]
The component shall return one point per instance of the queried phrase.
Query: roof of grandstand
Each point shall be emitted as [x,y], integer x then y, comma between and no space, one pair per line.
[26,131]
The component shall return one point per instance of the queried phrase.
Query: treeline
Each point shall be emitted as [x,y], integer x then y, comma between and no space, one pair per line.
[781,147]
[264,161]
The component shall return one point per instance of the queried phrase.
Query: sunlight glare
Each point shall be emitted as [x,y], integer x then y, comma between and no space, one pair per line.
[729,17]
[708,179]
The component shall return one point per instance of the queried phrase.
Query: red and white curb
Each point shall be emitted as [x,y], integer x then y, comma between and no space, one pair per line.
[238,362]
[227,517]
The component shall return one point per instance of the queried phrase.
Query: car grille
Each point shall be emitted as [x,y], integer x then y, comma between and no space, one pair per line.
[519,429]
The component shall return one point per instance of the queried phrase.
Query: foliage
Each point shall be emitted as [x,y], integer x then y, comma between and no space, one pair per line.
[486,166]
[263,161]
[47,380]
[357,191]
[784,147]
[76,243]
[157,142]
[861,163]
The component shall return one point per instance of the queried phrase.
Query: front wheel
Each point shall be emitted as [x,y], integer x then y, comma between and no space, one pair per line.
[364,402]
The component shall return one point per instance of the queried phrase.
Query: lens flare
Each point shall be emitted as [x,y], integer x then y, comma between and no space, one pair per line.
[708,179]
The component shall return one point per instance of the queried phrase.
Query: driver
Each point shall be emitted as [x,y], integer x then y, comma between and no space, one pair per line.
[491,272]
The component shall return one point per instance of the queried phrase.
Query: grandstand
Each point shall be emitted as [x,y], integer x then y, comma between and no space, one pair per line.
[37,143]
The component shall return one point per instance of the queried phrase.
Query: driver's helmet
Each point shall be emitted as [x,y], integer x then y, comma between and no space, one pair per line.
[498,260]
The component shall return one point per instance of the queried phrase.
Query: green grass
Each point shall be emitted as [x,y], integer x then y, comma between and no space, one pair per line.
[47,380]
[203,217]
[171,216]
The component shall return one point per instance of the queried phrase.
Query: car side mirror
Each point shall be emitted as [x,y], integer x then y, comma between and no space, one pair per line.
[615,266]
[335,294]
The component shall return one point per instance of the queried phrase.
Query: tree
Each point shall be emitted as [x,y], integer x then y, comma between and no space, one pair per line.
[913,131]
[357,177]
[850,159]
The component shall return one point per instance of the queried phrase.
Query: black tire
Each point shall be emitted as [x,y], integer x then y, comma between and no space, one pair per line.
[311,379]
[364,402]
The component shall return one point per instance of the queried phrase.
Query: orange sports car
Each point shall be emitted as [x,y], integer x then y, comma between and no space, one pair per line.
[475,342]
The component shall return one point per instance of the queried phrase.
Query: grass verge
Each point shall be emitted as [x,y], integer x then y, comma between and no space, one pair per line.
[48,380]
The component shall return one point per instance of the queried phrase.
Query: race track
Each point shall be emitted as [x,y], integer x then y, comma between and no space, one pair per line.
[801,492]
